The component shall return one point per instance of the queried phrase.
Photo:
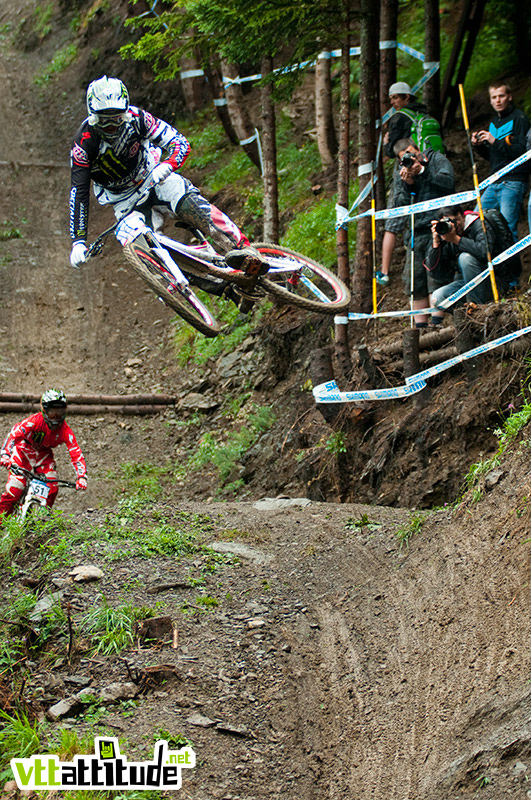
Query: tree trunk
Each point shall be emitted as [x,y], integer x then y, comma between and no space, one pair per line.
[369,72]
[432,51]
[341,331]
[239,115]
[324,119]
[522,32]
[269,157]
[220,101]
[195,88]
[388,33]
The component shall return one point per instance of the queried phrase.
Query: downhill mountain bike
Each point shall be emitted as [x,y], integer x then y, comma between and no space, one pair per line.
[36,491]
[173,269]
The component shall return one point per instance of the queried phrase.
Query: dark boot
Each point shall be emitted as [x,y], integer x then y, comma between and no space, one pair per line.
[248,260]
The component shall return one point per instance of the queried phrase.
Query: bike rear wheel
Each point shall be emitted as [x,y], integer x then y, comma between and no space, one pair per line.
[301,281]
[183,301]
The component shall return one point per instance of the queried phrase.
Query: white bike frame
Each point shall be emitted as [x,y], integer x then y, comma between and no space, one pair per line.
[37,491]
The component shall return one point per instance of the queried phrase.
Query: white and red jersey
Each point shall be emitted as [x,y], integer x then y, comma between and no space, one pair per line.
[35,439]
[119,165]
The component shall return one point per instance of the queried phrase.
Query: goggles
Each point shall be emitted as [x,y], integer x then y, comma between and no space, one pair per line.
[108,121]
[55,412]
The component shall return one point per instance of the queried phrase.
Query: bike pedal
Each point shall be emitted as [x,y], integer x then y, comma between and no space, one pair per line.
[255,267]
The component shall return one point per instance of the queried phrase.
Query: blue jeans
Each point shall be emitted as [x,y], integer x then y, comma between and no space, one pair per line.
[507,197]
[469,267]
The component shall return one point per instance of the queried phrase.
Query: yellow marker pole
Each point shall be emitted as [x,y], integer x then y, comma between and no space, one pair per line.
[373,233]
[373,237]
[478,195]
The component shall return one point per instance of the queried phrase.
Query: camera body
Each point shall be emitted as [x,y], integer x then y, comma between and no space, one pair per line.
[444,226]
[407,160]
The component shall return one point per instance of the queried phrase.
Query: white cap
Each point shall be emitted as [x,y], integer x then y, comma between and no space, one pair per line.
[399,88]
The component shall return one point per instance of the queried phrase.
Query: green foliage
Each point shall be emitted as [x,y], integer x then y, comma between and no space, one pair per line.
[192,346]
[495,44]
[9,231]
[145,480]
[508,432]
[234,172]
[19,738]
[111,629]
[61,60]
[42,19]
[361,523]
[66,744]
[336,443]
[165,540]
[312,232]
[238,32]
[175,740]
[207,602]
[413,527]
[223,452]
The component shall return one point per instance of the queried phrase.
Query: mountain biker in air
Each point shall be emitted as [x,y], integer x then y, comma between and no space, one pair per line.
[29,445]
[116,147]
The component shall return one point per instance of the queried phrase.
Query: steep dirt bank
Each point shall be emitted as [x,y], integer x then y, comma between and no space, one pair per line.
[334,662]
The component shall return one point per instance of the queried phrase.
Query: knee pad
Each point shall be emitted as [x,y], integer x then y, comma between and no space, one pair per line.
[130,227]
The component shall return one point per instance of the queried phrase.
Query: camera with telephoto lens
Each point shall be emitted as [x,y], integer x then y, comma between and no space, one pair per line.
[444,226]
[407,160]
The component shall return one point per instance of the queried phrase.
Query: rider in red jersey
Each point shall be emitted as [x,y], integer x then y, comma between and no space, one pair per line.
[29,445]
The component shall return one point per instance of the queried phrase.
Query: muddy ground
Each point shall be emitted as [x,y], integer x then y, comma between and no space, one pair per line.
[341,662]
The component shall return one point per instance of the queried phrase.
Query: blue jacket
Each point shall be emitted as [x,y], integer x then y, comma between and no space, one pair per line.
[509,130]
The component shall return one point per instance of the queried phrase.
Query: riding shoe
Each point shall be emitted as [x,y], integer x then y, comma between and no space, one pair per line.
[248,260]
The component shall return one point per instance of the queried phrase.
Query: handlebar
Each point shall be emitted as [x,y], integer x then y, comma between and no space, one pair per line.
[29,474]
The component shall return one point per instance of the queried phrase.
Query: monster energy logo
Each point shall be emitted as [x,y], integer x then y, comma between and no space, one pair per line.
[111,165]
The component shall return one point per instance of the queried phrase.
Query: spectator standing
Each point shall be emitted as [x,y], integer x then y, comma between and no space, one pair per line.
[410,119]
[422,176]
[504,141]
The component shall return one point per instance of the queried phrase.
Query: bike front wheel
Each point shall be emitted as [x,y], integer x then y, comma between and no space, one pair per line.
[29,509]
[301,281]
[183,301]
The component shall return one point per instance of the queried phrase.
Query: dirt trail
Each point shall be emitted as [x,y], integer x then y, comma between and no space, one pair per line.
[382,673]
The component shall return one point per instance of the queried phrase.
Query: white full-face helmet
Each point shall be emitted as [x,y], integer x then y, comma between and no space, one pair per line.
[107,105]
[53,407]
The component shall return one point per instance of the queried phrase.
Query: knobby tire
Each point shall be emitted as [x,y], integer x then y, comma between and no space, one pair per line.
[334,294]
[187,306]
[31,508]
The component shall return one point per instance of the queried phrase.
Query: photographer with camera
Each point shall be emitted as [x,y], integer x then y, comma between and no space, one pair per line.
[422,176]
[458,252]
